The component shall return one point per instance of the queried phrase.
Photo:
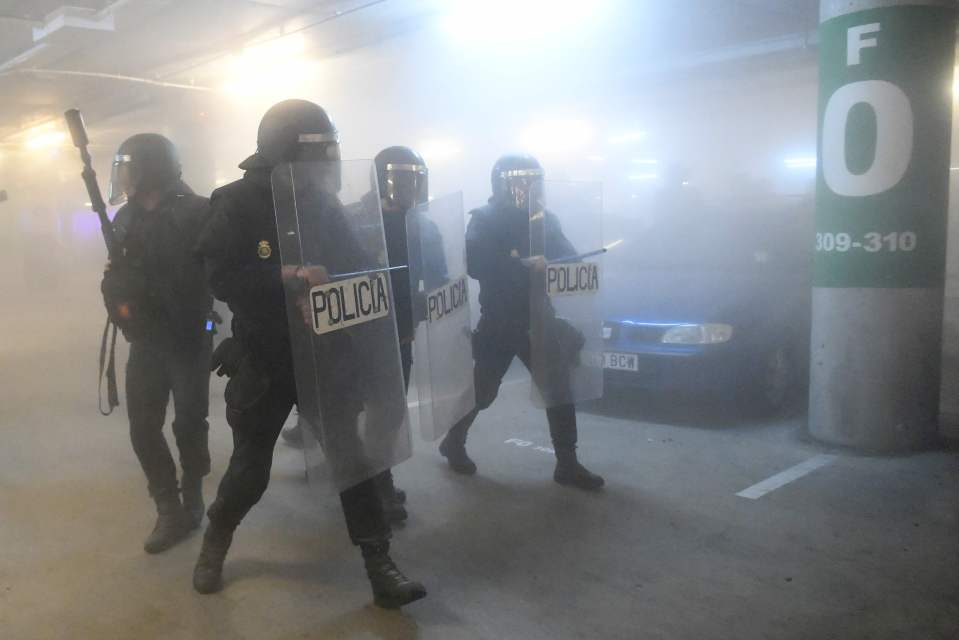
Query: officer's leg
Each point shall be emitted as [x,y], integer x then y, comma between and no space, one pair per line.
[394,498]
[406,356]
[255,431]
[406,353]
[148,390]
[368,529]
[562,428]
[191,403]
[492,355]
[385,415]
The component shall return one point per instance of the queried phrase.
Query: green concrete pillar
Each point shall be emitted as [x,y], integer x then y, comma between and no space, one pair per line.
[885,125]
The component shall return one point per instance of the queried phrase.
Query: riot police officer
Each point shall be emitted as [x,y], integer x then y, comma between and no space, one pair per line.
[497,244]
[403,179]
[240,248]
[157,293]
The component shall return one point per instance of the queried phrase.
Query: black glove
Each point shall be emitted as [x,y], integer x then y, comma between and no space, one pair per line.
[227,357]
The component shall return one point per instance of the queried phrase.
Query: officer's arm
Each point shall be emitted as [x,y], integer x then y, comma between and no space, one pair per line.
[197,282]
[434,258]
[121,224]
[233,276]
[482,261]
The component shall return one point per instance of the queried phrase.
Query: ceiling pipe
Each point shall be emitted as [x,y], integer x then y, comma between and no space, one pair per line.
[107,76]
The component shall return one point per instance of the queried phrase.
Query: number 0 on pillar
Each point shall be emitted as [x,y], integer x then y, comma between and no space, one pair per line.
[885,105]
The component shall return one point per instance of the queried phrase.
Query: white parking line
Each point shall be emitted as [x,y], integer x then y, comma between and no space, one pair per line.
[783,478]
[526,443]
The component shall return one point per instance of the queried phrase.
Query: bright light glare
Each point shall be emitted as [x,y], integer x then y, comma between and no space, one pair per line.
[644,176]
[271,70]
[439,149]
[802,162]
[44,140]
[627,137]
[649,162]
[556,136]
[596,158]
[527,22]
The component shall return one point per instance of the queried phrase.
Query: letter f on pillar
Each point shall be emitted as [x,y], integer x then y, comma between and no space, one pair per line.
[855,42]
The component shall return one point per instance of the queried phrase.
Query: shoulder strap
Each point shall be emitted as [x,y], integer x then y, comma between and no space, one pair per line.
[113,398]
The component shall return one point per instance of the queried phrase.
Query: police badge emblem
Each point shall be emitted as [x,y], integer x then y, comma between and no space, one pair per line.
[263,249]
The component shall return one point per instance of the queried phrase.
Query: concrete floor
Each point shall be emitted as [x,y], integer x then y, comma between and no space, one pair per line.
[864,547]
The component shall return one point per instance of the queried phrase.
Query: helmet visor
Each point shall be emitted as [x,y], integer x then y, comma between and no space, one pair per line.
[519,183]
[406,186]
[317,147]
[121,179]
[323,151]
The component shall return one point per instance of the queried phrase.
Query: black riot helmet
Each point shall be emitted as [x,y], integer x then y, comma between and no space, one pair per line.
[403,178]
[294,130]
[144,162]
[514,176]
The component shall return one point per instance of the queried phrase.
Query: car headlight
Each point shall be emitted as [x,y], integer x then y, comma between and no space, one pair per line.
[607,332]
[698,334]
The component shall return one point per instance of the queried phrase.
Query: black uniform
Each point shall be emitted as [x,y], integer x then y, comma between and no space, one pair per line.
[497,237]
[513,300]
[170,351]
[403,183]
[240,247]
[394,227]
[428,245]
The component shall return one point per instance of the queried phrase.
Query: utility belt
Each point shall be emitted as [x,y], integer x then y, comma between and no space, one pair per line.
[131,310]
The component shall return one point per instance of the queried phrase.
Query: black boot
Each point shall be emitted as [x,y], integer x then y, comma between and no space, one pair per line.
[208,572]
[193,505]
[391,589]
[570,472]
[172,523]
[453,448]
[393,507]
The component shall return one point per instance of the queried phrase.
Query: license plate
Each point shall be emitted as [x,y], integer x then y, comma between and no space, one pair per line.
[622,361]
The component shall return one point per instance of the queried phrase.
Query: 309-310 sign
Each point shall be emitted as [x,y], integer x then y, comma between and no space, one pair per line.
[885,127]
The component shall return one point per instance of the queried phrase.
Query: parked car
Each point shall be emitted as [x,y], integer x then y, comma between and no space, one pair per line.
[717,301]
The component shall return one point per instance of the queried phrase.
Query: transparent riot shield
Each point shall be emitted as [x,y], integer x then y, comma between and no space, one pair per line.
[566,252]
[443,355]
[339,304]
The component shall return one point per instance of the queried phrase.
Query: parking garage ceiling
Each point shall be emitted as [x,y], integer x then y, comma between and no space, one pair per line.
[116,55]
